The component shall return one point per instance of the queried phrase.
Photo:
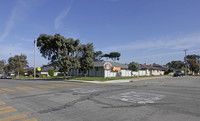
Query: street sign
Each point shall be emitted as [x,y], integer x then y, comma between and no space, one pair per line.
[116,68]
[39,69]
[107,66]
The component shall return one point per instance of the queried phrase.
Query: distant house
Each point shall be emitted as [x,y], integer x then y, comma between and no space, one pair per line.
[150,70]
[104,69]
[45,71]
[164,68]
[1,73]
[26,70]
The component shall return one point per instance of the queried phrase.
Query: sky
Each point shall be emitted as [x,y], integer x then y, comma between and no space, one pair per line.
[143,31]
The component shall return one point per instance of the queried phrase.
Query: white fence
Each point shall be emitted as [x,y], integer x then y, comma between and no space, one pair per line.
[124,73]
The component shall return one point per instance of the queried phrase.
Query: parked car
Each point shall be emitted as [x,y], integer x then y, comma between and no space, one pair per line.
[6,77]
[178,73]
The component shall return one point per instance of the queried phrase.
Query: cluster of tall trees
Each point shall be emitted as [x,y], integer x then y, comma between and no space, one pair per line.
[66,53]
[16,64]
[193,64]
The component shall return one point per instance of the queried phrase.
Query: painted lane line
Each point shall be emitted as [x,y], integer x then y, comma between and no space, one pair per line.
[6,89]
[4,108]
[2,103]
[69,85]
[65,85]
[15,117]
[8,111]
[31,119]
[25,88]
[169,83]
[43,86]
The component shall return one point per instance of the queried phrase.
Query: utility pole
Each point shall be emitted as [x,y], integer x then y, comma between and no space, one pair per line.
[185,62]
[35,58]
[199,64]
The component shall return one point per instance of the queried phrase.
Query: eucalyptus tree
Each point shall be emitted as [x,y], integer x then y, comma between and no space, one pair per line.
[86,57]
[2,65]
[133,66]
[18,63]
[62,52]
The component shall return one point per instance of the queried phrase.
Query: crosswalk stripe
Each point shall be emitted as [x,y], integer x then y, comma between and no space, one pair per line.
[31,119]
[6,89]
[2,103]
[44,86]
[25,88]
[4,108]
[8,111]
[15,117]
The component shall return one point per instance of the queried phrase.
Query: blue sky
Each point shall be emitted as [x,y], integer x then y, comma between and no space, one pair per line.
[144,31]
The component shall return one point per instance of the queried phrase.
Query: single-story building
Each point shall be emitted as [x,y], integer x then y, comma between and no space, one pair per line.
[150,70]
[26,70]
[104,69]
[45,71]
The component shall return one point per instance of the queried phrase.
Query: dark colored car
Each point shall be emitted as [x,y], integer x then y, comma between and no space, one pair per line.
[6,77]
[178,73]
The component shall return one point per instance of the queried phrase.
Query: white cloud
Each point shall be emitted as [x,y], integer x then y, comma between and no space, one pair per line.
[61,16]
[184,42]
[9,24]
[20,9]
[11,50]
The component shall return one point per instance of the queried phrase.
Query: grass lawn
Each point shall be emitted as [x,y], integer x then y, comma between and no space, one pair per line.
[84,78]
[107,79]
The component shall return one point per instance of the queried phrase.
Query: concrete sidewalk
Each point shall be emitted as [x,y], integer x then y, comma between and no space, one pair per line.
[120,81]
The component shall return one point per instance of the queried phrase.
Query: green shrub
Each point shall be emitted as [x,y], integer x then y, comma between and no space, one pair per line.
[51,72]
[43,76]
[30,76]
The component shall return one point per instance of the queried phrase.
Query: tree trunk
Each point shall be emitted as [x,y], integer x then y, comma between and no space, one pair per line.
[64,75]
[18,75]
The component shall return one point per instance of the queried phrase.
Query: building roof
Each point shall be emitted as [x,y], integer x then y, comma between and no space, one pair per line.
[159,66]
[114,64]
[46,69]
[149,67]
[28,69]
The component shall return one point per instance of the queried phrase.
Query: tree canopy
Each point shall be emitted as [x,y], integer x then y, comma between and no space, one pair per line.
[193,62]
[112,55]
[195,57]
[2,64]
[176,65]
[133,66]
[18,63]
[193,65]
[60,51]
[97,55]
[86,59]
[65,53]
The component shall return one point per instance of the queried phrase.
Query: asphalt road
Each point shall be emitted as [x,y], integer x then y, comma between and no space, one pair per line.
[158,99]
